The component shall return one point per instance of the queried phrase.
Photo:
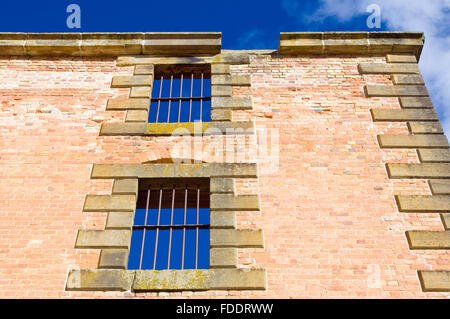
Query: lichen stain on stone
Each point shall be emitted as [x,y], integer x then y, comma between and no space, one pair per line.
[171,280]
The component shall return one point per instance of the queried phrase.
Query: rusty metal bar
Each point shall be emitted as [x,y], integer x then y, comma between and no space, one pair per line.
[189,226]
[201,95]
[170,98]
[143,232]
[190,101]
[159,98]
[181,96]
[171,223]
[157,229]
[184,228]
[196,229]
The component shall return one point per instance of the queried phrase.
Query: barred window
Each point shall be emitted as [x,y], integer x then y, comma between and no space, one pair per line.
[171,225]
[181,93]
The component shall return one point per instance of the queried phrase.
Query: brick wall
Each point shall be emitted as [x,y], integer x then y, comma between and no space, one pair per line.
[331,226]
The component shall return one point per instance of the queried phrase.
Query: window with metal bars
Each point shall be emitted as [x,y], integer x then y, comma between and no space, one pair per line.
[171,225]
[181,93]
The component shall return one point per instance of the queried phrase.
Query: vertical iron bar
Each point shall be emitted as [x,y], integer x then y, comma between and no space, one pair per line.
[157,228]
[190,100]
[181,93]
[159,100]
[143,231]
[184,228]
[170,98]
[196,228]
[201,98]
[171,223]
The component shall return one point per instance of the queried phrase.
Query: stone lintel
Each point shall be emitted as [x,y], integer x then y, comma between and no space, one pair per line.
[116,171]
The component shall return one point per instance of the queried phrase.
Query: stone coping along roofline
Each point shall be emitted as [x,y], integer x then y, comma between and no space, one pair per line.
[204,43]
[111,44]
[360,43]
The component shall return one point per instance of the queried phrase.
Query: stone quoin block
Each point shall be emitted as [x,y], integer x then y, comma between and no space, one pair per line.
[239,238]
[128,104]
[413,141]
[113,259]
[111,203]
[428,239]
[423,203]
[434,280]
[423,170]
[404,115]
[425,128]
[396,90]
[400,58]
[98,239]
[416,102]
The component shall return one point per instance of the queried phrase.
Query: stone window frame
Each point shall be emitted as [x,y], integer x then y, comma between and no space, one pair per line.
[140,84]
[114,241]
[171,202]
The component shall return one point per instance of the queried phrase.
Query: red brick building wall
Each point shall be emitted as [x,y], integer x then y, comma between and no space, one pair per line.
[331,225]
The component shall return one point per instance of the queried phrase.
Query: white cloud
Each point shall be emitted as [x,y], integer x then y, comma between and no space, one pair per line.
[431,17]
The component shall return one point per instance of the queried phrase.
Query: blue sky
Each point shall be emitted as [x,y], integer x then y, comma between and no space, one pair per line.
[244,24]
[254,24]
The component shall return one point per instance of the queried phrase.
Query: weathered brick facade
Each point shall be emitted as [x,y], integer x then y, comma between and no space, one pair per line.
[331,224]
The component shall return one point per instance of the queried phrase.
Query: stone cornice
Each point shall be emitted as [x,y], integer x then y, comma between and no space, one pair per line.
[205,43]
[354,43]
[110,44]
